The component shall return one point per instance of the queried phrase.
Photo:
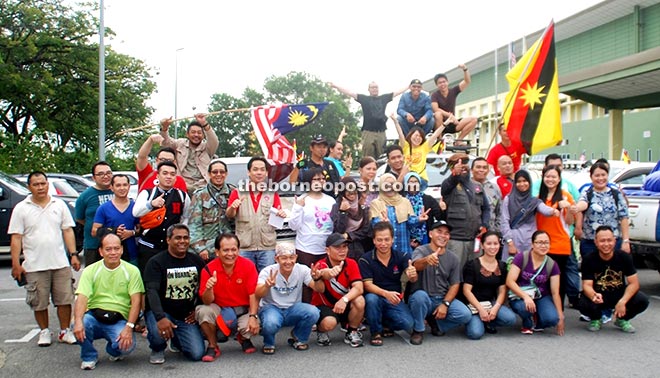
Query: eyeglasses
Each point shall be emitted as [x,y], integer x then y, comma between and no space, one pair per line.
[218,172]
[462,160]
[101,174]
[162,160]
[542,242]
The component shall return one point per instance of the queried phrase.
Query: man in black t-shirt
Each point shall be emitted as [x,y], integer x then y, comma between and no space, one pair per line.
[374,118]
[609,280]
[171,281]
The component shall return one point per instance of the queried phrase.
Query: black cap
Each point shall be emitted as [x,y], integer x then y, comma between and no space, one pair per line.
[335,239]
[319,139]
[440,224]
[415,81]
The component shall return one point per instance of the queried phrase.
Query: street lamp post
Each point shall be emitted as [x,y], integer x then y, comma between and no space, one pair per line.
[176,92]
[101,85]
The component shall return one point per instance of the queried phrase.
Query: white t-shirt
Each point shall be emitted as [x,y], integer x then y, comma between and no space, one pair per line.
[285,293]
[41,228]
[312,224]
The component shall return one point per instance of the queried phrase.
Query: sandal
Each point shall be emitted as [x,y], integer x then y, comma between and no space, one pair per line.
[267,349]
[376,339]
[388,332]
[297,345]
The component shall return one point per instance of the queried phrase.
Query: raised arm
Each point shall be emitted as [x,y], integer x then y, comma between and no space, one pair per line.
[402,138]
[142,159]
[343,90]
[466,77]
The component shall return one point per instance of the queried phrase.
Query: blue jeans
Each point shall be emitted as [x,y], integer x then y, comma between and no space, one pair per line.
[572,276]
[261,259]
[378,308]
[546,312]
[422,305]
[302,316]
[475,327]
[406,126]
[187,337]
[96,330]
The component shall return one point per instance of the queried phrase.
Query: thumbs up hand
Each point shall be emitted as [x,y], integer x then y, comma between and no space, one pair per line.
[210,283]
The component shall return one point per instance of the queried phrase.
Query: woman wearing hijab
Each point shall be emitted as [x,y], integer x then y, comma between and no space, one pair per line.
[391,207]
[413,189]
[351,218]
[518,213]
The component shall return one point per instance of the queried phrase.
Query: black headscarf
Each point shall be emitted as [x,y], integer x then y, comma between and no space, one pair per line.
[521,204]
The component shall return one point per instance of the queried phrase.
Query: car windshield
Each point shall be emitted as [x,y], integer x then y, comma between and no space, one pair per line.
[14,184]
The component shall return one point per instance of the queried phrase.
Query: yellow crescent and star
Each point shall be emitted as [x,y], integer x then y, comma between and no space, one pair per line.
[298,118]
[532,95]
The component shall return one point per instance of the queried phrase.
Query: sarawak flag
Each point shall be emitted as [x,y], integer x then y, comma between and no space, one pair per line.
[624,156]
[276,148]
[532,112]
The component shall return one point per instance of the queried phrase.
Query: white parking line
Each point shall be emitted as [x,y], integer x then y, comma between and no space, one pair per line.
[11,299]
[655,297]
[25,338]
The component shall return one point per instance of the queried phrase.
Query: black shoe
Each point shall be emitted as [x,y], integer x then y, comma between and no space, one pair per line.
[433,324]
[490,329]
[416,338]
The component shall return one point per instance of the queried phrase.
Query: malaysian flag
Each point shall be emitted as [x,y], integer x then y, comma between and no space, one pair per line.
[276,148]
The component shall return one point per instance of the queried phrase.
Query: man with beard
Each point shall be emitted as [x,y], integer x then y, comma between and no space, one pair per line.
[467,208]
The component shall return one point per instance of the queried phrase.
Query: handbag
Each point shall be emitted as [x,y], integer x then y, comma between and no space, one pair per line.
[153,219]
[531,290]
[485,304]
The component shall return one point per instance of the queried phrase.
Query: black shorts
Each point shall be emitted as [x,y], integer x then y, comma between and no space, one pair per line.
[327,311]
[450,129]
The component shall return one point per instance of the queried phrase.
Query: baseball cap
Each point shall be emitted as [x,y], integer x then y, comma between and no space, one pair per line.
[415,81]
[319,139]
[334,240]
[440,224]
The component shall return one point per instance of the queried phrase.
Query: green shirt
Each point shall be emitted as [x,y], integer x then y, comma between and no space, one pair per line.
[110,289]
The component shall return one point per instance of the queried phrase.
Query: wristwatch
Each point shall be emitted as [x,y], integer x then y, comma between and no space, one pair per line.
[446,303]
[345,300]
[130,325]
[77,254]
[254,316]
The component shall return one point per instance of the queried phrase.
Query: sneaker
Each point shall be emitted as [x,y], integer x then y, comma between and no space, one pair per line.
[171,347]
[44,338]
[88,365]
[537,329]
[246,344]
[157,358]
[594,325]
[416,338]
[116,358]
[526,331]
[354,339]
[67,337]
[323,339]
[606,317]
[624,325]
[362,327]
[211,354]
[584,318]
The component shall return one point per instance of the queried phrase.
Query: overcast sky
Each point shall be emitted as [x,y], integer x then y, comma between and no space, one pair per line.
[230,45]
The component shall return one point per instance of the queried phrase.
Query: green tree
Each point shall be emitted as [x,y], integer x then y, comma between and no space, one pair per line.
[49,87]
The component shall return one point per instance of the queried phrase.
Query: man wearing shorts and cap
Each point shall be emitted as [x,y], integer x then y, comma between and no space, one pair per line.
[440,276]
[415,109]
[342,301]
[279,287]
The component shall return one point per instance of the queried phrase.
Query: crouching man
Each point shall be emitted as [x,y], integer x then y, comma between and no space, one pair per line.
[280,289]
[108,304]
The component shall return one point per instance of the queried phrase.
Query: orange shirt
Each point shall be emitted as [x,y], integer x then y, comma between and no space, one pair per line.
[556,227]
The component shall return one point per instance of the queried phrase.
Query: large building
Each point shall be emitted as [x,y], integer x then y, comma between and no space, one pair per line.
[608,58]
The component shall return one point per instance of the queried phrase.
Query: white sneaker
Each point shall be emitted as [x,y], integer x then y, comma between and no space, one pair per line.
[44,338]
[88,365]
[115,359]
[67,337]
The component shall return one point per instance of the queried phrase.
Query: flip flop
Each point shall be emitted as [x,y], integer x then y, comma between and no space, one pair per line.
[376,339]
[268,350]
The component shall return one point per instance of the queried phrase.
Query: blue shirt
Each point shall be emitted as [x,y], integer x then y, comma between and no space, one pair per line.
[418,108]
[109,216]
[86,206]
[386,277]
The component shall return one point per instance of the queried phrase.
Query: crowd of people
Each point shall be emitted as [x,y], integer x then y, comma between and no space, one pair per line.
[194,260]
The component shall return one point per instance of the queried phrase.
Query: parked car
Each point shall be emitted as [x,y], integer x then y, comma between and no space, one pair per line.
[57,186]
[13,191]
[621,173]
[78,182]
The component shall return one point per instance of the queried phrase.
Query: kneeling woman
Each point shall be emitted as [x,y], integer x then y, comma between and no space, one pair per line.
[533,280]
[484,288]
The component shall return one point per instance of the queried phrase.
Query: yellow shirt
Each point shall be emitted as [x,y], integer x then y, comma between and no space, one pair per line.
[416,158]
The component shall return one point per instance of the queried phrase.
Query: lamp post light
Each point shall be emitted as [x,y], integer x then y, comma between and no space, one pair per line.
[176,92]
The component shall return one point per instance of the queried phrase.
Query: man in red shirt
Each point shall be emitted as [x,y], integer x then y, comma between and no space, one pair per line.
[507,171]
[342,301]
[146,174]
[227,288]
[505,147]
